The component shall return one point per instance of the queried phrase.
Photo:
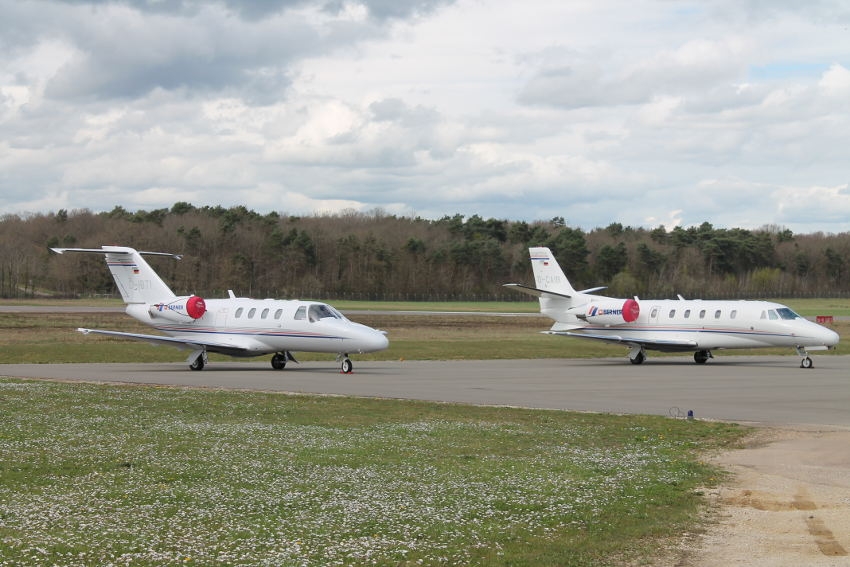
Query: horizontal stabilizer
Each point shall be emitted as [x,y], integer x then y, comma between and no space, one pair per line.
[594,289]
[536,292]
[115,250]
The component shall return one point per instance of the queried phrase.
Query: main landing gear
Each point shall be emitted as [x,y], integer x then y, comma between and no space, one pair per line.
[702,356]
[638,356]
[197,360]
[280,359]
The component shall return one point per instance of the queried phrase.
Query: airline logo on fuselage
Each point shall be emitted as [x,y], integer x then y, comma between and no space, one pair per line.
[596,312]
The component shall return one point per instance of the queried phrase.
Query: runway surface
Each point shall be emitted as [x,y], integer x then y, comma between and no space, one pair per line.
[771,390]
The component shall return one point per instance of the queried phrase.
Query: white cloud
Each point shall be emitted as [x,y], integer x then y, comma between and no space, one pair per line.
[836,81]
[640,113]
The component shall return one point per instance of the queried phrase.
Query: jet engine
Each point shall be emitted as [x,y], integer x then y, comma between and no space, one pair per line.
[180,309]
[612,312]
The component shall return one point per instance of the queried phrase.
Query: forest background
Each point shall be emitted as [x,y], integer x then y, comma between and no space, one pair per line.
[376,256]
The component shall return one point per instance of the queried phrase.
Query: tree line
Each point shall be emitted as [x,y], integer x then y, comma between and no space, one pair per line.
[379,256]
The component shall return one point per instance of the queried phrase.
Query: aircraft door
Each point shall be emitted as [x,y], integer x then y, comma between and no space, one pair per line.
[221,318]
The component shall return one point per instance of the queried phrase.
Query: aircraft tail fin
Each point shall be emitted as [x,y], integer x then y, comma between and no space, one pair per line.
[548,275]
[136,280]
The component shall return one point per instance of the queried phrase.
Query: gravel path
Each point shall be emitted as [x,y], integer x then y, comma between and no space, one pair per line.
[786,504]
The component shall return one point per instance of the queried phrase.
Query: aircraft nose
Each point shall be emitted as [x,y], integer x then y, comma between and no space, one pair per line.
[371,340]
[382,341]
[830,337]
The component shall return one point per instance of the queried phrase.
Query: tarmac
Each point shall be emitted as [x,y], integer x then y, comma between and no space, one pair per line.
[764,390]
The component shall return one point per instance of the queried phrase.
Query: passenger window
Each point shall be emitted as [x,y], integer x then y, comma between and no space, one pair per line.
[687,313]
[733,314]
[278,313]
[654,313]
[702,314]
[717,314]
[301,314]
[239,312]
[672,313]
[251,312]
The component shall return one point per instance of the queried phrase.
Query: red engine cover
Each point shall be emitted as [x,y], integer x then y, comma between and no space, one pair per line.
[631,310]
[613,312]
[195,307]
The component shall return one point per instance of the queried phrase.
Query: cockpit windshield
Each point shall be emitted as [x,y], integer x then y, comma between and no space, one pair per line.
[787,314]
[318,311]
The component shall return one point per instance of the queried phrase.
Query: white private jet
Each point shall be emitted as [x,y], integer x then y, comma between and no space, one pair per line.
[669,325]
[237,326]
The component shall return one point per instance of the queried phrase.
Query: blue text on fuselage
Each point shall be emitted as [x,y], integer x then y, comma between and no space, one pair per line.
[596,312]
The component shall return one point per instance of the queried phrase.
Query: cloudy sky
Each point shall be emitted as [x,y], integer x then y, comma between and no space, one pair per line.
[647,113]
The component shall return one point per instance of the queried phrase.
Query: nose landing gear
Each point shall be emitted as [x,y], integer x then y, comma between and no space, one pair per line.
[346,366]
[806,361]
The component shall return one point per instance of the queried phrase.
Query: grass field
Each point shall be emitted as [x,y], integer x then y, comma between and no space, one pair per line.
[112,475]
[120,475]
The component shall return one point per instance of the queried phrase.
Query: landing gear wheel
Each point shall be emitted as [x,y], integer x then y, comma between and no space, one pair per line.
[198,363]
[346,367]
[638,358]
[701,356]
[807,363]
[279,361]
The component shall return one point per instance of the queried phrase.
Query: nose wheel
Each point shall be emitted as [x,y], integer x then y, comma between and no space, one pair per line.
[346,366]
[806,361]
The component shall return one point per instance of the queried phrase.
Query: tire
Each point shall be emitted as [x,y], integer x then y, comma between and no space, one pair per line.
[279,361]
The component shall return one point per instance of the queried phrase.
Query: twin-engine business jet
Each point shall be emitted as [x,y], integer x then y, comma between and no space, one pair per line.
[677,325]
[236,326]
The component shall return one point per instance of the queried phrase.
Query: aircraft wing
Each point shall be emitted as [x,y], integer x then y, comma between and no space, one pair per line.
[651,344]
[186,344]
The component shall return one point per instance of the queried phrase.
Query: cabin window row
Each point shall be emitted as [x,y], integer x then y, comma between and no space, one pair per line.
[312,313]
[688,312]
[253,311]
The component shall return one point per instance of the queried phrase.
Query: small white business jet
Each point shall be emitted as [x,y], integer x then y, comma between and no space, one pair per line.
[236,326]
[669,325]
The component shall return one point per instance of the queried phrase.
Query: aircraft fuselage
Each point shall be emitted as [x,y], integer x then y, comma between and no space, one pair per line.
[703,324]
[260,326]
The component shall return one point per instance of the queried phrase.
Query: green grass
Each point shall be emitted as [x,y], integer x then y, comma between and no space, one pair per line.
[114,475]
